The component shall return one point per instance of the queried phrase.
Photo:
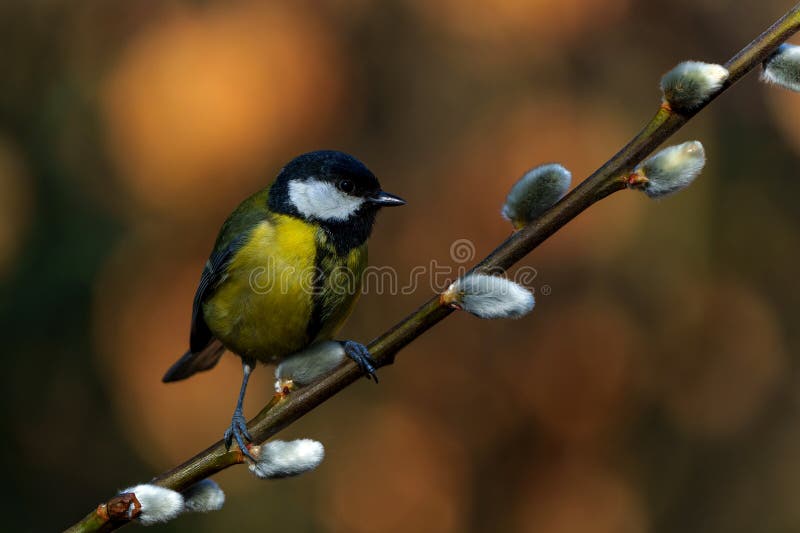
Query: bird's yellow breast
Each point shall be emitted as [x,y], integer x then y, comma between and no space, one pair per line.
[286,287]
[262,306]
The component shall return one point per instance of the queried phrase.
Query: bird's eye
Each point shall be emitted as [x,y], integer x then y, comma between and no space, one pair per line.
[346,186]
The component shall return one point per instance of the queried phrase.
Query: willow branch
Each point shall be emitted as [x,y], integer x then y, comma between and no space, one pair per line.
[282,410]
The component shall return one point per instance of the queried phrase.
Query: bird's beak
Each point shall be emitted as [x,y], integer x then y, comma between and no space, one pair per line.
[384,199]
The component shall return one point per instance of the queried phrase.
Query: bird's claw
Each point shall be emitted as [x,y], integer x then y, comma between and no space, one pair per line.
[238,431]
[360,354]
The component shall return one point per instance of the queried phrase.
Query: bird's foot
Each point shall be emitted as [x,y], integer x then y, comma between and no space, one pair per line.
[238,431]
[359,353]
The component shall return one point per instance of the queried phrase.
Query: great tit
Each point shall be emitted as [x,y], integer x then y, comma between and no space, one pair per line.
[285,271]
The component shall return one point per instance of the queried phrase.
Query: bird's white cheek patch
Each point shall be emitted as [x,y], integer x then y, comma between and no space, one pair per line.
[322,200]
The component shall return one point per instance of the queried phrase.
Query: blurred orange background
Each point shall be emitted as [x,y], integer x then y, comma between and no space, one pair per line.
[652,389]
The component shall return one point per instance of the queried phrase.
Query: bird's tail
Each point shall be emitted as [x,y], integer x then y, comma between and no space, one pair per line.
[192,362]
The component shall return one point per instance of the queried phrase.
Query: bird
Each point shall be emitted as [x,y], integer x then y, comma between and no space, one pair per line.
[285,271]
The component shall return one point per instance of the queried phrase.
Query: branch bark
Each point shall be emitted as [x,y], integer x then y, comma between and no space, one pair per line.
[281,411]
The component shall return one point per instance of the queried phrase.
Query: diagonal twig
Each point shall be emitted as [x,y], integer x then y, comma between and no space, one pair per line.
[281,411]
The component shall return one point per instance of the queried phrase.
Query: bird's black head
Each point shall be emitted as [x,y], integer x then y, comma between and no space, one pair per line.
[334,190]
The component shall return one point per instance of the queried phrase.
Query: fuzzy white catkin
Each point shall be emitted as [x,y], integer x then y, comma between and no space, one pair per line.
[782,68]
[159,504]
[536,192]
[488,296]
[204,496]
[312,363]
[279,459]
[691,83]
[673,169]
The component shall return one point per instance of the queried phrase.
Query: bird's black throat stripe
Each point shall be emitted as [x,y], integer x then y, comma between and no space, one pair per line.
[317,302]
[325,259]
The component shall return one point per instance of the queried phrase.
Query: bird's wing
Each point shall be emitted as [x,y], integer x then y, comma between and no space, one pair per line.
[204,349]
[214,272]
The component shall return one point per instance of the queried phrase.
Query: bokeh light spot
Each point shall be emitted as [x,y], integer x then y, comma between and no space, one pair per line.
[521,20]
[578,377]
[419,489]
[204,102]
[723,357]
[579,497]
